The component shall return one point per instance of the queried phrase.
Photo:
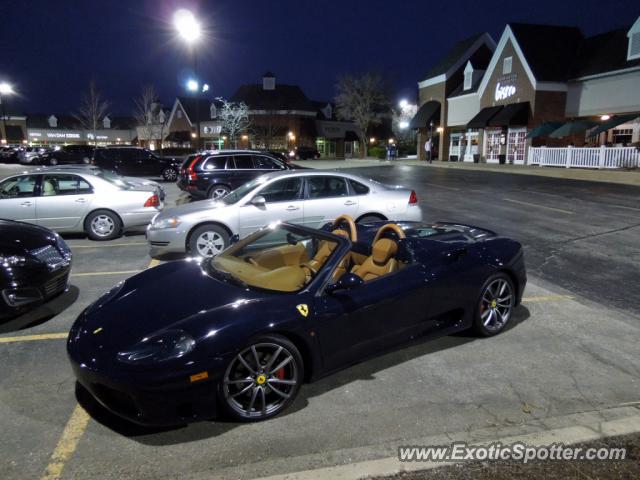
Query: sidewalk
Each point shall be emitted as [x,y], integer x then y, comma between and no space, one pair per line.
[625,177]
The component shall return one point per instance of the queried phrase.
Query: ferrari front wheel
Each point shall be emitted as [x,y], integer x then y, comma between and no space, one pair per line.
[495,305]
[262,379]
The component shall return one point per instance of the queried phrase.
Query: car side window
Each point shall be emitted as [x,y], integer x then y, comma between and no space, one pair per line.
[18,187]
[358,188]
[54,185]
[284,190]
[326,187]
[214,163]
[243,162]
[265,163]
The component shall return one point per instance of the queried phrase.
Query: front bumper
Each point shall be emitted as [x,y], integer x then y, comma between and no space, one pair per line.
[31,292]
[166,240]
[140,217]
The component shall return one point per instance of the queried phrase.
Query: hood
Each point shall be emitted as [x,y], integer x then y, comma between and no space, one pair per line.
[193,207]
[20,235]
[172,295]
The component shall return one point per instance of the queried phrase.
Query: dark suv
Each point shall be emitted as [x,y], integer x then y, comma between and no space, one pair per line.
[134,161]
[214,174]
[68,154]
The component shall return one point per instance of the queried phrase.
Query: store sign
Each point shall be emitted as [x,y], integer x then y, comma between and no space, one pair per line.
[55,135]
[504,91]
[97,137]
[212,130]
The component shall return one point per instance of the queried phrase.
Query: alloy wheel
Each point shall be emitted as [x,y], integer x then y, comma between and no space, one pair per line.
[496,305]
[209,244]
[102,225]
[170,175]
[219,193]
[260,380]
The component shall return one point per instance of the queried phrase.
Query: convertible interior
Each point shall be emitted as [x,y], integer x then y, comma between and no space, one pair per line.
[289,262]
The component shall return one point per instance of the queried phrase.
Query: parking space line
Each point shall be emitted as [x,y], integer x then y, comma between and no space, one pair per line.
[91,274]
[547,298]
[568,212]
[441,186]
[30,338]
[67,443]
[153,263]
[108,246]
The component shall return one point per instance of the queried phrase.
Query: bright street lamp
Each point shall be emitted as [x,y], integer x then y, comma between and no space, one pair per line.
[187,26]
[205,88]
[6,89]
[403,103]
[192,85]
[404,124]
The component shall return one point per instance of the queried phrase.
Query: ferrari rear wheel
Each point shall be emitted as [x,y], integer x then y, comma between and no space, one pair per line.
[495,306]
[262,380]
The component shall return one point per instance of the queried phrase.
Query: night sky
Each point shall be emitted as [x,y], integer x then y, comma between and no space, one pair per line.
[51,48]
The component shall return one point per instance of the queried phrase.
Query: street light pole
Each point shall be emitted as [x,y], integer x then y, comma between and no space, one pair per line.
[431,140]
[5,89]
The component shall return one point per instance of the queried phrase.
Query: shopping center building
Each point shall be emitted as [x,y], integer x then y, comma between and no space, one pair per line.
[539,86]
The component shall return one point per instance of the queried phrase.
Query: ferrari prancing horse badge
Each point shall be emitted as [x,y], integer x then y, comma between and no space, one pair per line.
[303,309]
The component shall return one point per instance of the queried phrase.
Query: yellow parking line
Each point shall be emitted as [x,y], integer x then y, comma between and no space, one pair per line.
[547,298]
[108,246]
[568,212]
[67,444]
[91,274]
[29,338]
[154,263]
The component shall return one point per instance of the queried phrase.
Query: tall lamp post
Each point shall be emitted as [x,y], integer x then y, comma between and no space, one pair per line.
[431,140]
[5,90]
[189,30]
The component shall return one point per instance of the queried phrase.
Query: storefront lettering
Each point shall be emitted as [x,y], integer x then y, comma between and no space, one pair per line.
[504,91]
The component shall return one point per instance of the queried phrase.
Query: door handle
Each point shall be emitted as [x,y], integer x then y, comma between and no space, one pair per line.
[350,202]
[26,204]
[81,200]
[291,208]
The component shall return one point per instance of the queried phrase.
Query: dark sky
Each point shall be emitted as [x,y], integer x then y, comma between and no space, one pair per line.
[49,49]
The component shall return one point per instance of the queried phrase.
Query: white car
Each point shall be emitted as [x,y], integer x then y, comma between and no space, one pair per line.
[77,201]
[306,197]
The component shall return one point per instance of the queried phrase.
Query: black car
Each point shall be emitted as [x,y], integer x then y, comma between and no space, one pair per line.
[68,154]
[34,266]
[12,155]
[304,153]
[285,305]
[134,161]
[214,174]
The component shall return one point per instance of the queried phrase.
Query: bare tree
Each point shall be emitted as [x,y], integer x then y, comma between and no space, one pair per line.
[92,110]
[234,117]
[361,100]
[400,123]
[146,110]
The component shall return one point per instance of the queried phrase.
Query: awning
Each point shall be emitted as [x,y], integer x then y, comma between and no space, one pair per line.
[181,136]
[512,114]
[544,129]
[427,113]
[613,122]
[483,116]
[14,133]
[351,136]
[572,128]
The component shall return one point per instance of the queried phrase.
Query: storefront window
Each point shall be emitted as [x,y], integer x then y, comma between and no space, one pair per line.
[622,135]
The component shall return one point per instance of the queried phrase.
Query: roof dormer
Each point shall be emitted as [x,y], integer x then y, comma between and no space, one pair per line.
[213,111]
[468,76]
[106,122]
[53,121]
[633,51]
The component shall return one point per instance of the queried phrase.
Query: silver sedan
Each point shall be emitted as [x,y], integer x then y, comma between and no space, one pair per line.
[77,201]
[305,197]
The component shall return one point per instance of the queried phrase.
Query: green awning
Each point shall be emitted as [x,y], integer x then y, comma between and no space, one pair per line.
[613,122]
[544,129]
[572,128]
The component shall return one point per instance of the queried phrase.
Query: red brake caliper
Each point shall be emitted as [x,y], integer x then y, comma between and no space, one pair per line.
[280,373]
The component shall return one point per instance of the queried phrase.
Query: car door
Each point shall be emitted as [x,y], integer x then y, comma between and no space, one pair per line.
[283,201]
[63,201]
[151,165]
[353,324]
[326,198]
[18,198]
[266,164]
[242,170]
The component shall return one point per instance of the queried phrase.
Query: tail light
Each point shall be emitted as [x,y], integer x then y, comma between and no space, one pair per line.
[190,173]
[152,201]
[413,198]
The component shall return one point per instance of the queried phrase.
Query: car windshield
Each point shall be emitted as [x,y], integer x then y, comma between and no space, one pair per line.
[240,192]
[280,258]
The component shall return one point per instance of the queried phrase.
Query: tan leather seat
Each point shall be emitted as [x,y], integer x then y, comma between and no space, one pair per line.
[381,261]
[325,248]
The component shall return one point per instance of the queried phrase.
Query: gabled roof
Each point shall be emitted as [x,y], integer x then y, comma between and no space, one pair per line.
[549,50]
[283,97]
[604,53]
[192,107]
[321,109]
[41,120]
[459,52]
[123,123]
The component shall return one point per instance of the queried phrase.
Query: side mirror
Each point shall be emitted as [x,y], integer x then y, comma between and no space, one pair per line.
[258,201]
[347,281]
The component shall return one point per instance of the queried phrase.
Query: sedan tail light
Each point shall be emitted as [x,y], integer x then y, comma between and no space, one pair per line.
[413,198]
[152,201]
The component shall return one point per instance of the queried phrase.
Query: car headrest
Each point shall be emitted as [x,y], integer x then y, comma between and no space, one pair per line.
[383,250]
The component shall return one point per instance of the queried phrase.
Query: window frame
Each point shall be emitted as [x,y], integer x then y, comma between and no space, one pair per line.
[300,196]
[307,187]
[57,174]
[507,61]
[36,185]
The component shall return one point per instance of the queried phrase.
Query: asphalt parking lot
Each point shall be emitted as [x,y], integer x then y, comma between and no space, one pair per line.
[572,350]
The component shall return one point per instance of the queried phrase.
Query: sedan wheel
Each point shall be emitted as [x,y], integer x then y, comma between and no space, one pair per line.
[208,241]
[496,305]
[103,225]
[263,379]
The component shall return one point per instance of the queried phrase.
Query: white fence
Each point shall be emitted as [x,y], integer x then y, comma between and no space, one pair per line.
[589,157]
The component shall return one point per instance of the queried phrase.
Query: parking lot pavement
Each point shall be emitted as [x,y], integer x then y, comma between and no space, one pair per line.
[568,351]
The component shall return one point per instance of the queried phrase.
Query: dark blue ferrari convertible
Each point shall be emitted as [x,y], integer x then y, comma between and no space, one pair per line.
[241,332]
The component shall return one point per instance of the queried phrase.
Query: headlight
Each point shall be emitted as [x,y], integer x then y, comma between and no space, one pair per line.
[62,245]
[158,348]
[171,222]
[12,260]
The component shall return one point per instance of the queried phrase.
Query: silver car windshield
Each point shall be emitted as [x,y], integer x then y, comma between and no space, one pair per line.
[240,192]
